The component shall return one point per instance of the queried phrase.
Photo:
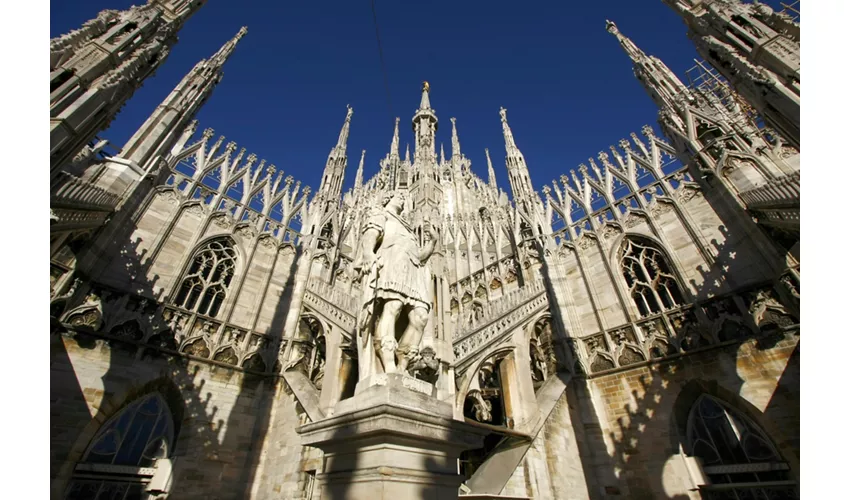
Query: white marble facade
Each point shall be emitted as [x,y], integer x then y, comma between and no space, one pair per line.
[587,329]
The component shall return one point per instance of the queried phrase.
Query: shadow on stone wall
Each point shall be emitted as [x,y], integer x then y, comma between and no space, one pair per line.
[212,460]
[651,424]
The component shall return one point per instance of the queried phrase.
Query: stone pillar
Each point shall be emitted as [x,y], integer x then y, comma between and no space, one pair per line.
[517,391]
[392,440]
[331,390]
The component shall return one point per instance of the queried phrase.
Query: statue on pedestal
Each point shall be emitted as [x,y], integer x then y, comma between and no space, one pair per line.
[395,285]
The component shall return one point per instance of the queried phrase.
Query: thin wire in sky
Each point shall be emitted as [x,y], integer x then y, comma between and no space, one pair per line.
[381,56]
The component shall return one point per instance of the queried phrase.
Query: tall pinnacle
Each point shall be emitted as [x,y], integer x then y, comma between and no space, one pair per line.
[455,141]
[162,128]
[521,186]
[227,49]
[491,174]
[425,129]
[510,144]
[394,144]
[358,178]
[631,49]
[343,133]
[331,185]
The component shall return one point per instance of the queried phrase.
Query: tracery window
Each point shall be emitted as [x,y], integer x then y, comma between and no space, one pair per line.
[118,462]
[649,277]
[205,283]
[738,458]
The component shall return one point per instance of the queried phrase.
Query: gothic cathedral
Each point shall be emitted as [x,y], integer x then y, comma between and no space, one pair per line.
[628,331]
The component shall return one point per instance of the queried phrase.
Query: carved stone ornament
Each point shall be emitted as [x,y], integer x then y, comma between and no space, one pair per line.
[171,197]
[766,310]
[195,209]
[786,152]
[659,208]
[584,242]
[633,219]
[226,356]
[89,314]
[425,365]
[686,194]
[610,231]
[246,232]
[482,407]
[223,221]
[268,242]
[197,348]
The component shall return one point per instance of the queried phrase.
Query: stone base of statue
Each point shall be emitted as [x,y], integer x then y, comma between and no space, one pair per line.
[391,441]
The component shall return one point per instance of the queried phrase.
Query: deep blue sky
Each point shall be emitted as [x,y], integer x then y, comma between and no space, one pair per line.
[567,85]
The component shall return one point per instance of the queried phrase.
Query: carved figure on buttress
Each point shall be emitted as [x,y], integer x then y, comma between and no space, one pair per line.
[395,282]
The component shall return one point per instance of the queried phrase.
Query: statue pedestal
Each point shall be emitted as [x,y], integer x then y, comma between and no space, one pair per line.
[390,442]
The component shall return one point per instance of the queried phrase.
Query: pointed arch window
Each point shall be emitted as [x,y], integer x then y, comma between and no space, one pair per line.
[205,284]
[118,463]
[649,276]
[737,456]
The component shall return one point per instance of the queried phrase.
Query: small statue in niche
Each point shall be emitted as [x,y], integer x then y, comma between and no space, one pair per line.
[426,366]
[482,407]
[318,375]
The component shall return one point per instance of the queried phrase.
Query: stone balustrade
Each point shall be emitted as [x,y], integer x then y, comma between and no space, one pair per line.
[779,193]
[69,192]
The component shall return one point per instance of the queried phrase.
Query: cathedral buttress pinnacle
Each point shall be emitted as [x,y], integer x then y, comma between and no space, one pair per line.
[358,178]
[628,45]
[94,70]
[491,173]
[456,154]
[331,186]
[662,85]
[425,128]
[394,144]
[523,191]
[157,135]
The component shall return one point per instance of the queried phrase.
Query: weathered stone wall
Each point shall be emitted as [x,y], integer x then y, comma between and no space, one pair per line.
[166,236]
[708,245]
[640,413]
[287,469]
[552,467]
[627,427]
[224,417]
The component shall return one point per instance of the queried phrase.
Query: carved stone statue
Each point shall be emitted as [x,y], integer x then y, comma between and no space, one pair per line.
[395,283]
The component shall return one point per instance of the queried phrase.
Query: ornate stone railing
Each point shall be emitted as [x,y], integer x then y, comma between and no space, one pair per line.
[726,319]
[69,192]
[505,314]
[497,308]
[495,332]
[779,193]
[331,303]
[330,294]
[784,218]
[147,323]
[78,204]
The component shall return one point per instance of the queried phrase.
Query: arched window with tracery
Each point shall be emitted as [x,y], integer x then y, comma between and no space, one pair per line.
[737,456]
[649,276]
[205,284]
[119,460]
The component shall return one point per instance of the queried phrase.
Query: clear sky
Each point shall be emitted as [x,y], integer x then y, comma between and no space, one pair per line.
[566,83]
